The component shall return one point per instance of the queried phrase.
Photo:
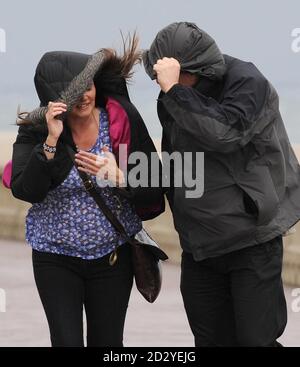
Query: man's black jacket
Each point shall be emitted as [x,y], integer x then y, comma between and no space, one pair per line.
[251,174]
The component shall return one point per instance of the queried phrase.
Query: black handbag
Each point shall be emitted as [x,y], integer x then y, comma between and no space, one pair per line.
[146,254]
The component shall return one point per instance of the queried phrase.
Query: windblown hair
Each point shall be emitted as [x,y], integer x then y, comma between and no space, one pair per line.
[114,65]
[106,69]
[116,70]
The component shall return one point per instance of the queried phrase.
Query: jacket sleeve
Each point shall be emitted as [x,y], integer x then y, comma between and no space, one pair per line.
[226,126]
[31,170]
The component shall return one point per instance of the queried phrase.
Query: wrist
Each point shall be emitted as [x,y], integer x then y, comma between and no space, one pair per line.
[166,88]
[52,141]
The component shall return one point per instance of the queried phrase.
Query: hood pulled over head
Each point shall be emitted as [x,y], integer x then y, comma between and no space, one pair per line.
[62,76]
[65,76]
[195,50]
[54,73]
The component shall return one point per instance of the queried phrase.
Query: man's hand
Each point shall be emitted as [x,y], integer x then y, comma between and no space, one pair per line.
[167,73]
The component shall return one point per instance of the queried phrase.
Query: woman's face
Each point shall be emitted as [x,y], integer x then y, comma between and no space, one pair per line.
[86,104]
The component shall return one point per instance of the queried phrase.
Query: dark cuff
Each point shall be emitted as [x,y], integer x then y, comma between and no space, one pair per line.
[173,91]
[38,151]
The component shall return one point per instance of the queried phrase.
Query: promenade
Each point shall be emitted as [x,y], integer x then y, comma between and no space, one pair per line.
[162,324]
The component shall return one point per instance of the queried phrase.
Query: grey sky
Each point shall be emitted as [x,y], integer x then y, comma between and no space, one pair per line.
[259,31]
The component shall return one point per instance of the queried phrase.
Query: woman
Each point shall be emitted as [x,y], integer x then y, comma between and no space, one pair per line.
[84,104]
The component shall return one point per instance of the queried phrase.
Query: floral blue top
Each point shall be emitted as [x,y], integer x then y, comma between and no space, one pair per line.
[69,222]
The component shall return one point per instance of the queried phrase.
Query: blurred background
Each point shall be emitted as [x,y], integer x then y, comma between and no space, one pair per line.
[266,33]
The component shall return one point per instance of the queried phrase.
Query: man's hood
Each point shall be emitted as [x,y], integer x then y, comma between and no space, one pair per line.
[195,50]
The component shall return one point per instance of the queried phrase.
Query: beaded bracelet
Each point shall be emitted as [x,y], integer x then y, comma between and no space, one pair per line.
[49,148]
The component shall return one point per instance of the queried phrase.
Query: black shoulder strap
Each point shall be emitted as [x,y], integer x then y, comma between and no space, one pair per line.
[90,188]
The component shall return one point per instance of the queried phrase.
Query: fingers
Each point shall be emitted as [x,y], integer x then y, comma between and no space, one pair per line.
[159,61]
[56,104]
[87,170]
[98,172]
[92,168]
[91,163]
[165,61]
[84,154]
[52,115]
[55,109]
[89,157]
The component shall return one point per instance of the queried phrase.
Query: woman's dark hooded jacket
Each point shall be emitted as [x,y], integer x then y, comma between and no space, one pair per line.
[33,175]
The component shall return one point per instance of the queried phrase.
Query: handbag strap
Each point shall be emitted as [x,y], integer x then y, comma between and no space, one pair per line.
[90,188]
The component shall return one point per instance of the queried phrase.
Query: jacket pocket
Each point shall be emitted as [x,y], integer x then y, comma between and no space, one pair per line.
[260,196]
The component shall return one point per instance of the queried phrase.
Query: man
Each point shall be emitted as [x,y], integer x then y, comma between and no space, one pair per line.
[231,236]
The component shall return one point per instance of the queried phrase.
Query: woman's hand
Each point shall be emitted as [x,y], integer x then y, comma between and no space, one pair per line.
[103,167]
[55,126]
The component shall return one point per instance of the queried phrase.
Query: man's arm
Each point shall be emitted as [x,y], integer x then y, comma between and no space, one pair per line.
[225,126]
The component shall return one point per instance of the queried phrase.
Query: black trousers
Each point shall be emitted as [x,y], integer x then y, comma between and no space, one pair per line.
[67,284]
[236,299]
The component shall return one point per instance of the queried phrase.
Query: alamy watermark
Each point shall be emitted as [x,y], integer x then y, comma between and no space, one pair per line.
[2,300]
[179,169]
[2,40]
[296,41]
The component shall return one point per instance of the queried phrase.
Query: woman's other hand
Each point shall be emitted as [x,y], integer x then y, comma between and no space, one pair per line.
[105,167]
